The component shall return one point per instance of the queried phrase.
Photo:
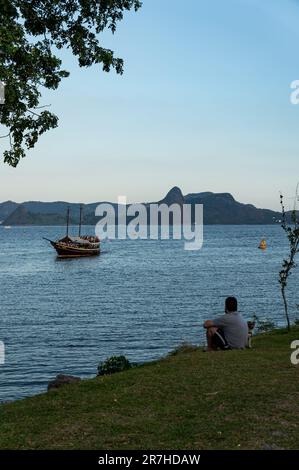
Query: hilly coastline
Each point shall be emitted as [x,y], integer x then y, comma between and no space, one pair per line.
[219,208]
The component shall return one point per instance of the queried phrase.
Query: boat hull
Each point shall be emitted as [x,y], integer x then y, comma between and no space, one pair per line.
[64,251]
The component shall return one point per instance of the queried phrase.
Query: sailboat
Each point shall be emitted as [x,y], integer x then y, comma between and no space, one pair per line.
[74,247]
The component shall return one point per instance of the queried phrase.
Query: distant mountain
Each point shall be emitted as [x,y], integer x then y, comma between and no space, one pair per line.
[21,216]
[219,208]
[222,208]
[6,208]
[174,196]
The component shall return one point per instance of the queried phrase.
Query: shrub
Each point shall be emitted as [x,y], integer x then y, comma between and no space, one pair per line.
[114,364]
[263,326]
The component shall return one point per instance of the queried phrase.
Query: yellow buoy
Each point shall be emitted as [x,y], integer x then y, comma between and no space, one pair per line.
[263,244]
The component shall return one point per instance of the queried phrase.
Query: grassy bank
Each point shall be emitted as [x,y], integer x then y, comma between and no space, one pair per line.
[191,400]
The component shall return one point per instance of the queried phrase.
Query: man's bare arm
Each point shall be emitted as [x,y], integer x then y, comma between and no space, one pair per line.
[208,324]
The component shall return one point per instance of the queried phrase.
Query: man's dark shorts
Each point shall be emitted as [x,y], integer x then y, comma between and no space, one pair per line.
[219,341]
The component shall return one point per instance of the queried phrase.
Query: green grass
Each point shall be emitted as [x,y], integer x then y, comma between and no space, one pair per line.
[189,400]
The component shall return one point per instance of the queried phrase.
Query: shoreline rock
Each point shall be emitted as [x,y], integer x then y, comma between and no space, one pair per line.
[61,380]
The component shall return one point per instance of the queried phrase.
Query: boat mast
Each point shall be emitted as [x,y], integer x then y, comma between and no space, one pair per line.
[80,222]
[67,221]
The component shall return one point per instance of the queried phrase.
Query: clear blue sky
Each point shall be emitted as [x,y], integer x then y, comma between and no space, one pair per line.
[203,104]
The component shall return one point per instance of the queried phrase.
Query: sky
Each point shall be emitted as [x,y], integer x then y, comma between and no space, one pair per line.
[204,104]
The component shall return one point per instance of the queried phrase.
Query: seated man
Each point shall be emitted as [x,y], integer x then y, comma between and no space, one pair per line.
[230,331]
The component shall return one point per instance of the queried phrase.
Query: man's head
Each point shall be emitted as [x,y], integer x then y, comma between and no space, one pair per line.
[231,305]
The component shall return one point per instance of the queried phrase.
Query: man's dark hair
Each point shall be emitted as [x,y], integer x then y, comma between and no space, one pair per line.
[231,304]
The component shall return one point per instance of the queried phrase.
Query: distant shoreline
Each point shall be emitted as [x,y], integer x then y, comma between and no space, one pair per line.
[91,225]
[218,209]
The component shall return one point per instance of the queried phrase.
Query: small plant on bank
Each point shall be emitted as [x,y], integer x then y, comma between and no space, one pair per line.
[263,326]
[292,233]
[114,364]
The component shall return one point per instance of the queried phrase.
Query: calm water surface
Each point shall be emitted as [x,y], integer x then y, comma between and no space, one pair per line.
[140,298]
